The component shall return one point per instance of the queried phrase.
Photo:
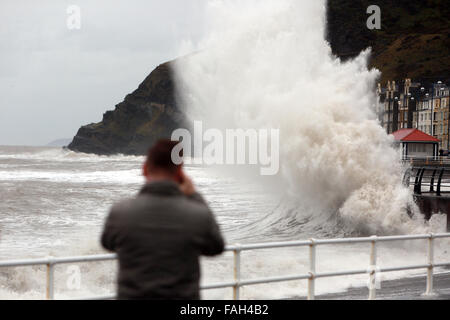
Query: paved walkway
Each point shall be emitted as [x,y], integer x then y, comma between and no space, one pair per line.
[402,289]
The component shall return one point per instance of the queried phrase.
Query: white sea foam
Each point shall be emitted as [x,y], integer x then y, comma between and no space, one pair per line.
[123,176]
[265,64]
[61,155]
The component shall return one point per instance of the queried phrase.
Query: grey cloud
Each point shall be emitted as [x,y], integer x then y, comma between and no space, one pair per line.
[53,80]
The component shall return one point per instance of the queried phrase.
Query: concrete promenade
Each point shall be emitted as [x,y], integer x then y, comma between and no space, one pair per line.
[401,289]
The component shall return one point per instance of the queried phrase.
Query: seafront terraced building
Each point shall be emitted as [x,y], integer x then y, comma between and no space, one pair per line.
[410,104]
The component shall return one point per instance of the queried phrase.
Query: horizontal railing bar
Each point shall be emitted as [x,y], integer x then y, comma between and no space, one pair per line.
[408,237]
[53,261]
[378,239]
[100,257]
[23,263]
[388,269]
[412,267]
[340,273]
[274,279]
[255,281]
[270,245]
[343,240]
[218,285]
[336,241]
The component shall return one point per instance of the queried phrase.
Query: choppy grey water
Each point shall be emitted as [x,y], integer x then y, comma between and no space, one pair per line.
[52,199]
[54,202]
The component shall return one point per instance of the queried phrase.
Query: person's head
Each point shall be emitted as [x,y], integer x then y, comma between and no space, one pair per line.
[159,164]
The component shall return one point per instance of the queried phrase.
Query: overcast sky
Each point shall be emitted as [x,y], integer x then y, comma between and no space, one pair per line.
[53,80]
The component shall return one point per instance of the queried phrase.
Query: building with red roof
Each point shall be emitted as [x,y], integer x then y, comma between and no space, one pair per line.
[416,143]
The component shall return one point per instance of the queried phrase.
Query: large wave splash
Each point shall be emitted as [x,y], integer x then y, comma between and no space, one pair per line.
[265,64]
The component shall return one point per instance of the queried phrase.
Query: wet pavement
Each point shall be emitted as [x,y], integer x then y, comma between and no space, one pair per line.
[403,289]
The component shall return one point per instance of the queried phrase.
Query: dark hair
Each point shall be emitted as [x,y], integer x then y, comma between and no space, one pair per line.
[159,156]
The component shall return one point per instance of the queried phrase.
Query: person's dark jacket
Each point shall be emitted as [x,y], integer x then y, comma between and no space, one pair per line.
[158,237]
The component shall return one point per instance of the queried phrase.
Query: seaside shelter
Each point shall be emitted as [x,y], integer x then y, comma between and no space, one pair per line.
[416,143]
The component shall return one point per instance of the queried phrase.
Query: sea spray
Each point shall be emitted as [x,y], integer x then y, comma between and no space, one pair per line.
[265,64]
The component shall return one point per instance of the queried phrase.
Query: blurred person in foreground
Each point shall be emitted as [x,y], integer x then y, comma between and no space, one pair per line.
[160,234]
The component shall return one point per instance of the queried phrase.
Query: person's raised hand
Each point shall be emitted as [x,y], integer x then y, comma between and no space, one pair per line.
[186,185]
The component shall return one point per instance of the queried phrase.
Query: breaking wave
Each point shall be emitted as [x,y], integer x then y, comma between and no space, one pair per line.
[266,64]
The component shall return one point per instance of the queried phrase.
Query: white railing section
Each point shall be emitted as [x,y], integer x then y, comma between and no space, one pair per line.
[238,283]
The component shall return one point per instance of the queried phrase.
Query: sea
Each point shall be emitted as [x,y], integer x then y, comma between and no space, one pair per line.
[53,202]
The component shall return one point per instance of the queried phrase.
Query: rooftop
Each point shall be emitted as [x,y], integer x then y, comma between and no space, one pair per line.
[413,135]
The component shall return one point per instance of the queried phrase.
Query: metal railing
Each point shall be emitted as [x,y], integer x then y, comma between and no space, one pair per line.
[430,160]
[428,180]
[238,283]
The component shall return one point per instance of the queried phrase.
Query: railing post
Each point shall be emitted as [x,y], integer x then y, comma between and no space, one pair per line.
[373,266]
[438,190]
[429,290]
[416,181]
[312,270]
[432,181]
[419,187]
[50,280]
[237,272]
